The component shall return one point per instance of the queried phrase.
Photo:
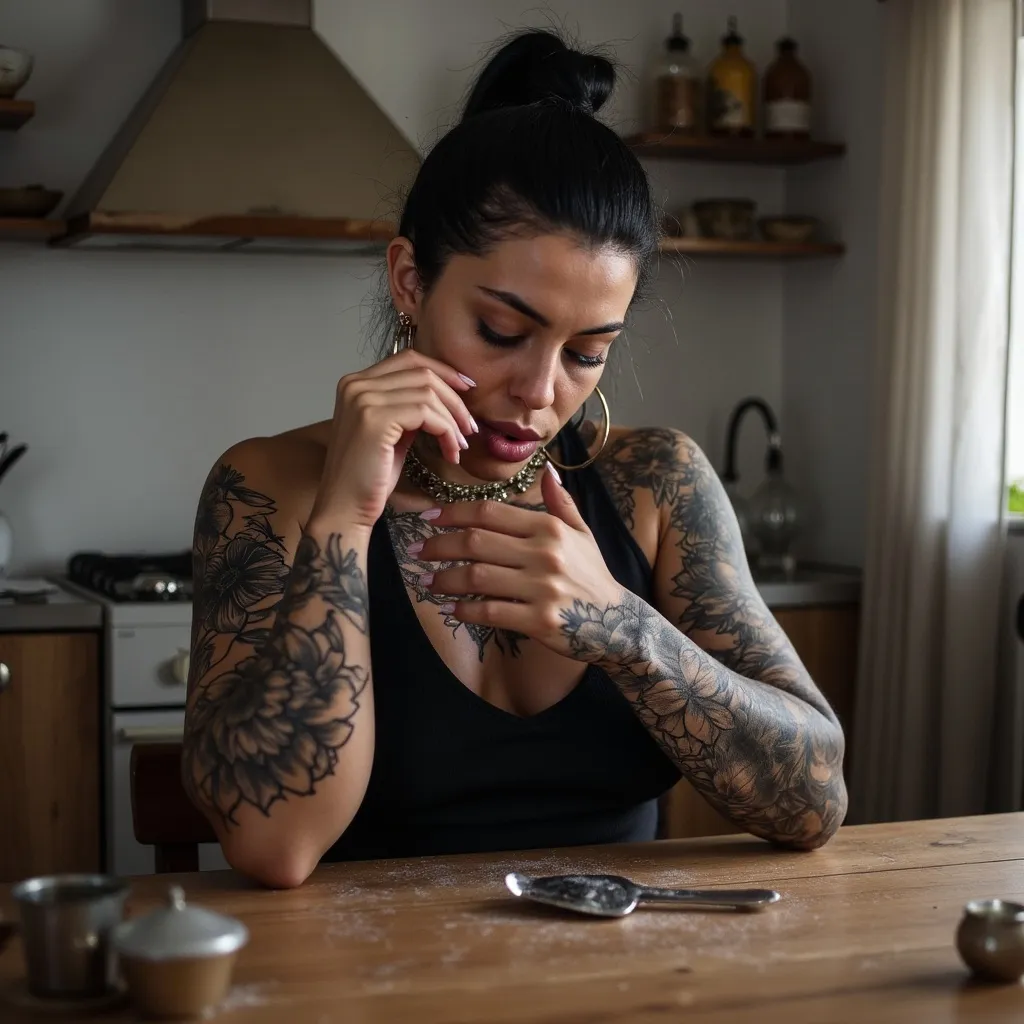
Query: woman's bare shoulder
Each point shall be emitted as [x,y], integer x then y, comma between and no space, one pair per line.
[638,465]
[284,467]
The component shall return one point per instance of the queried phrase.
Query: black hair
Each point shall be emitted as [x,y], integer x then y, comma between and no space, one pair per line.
[529,157]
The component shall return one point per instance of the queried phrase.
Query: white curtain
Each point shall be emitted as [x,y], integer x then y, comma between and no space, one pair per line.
[928,681]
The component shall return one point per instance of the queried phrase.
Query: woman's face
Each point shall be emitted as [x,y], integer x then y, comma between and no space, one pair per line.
[532,322]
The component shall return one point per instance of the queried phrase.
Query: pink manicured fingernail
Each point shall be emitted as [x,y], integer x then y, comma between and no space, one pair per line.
[463,443]
[426,578]
[474,425]
[431,513]
[467,380]
[446,608]
[415,549]
[554,473]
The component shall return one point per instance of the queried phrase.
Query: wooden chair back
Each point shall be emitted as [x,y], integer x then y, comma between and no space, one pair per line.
[162,814]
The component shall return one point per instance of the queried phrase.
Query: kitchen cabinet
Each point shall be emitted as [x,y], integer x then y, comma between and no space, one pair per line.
[825,637]
[49,753]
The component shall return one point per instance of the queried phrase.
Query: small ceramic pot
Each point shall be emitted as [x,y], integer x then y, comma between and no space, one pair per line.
[15,68]
[177,961]
[990,939]
[725,218]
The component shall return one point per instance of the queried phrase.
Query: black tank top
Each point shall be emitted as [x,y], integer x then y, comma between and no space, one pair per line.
[452,773]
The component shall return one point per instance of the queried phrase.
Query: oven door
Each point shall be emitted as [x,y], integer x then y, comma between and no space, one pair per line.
[124,855]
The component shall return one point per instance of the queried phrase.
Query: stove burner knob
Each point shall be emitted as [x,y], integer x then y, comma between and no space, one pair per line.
[179,667]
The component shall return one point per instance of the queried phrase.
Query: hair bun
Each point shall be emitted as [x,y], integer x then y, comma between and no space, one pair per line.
[538,66]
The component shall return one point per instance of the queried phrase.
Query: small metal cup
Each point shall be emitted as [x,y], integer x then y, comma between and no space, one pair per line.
[990,939]
[66,921]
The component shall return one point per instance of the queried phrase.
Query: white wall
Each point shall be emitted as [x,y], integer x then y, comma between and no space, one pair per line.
[128,374]
[830,307]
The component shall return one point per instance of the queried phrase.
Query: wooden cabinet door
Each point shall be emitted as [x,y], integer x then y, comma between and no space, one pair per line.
[49,754]
[825,637]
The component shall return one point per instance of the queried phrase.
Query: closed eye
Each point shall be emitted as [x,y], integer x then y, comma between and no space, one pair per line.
[583,360]
[492,337]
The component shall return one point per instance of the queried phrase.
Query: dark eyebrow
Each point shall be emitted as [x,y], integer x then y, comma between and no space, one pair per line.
[615,325]
[516,303]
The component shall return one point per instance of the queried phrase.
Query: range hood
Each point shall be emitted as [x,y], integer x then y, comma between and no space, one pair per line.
[253,136]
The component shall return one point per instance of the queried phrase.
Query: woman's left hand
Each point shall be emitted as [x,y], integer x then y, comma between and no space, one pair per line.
[524,569]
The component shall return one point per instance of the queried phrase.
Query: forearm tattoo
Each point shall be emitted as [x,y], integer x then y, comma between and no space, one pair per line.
[763,758]
[741,718]
[406,528]
[714,592]
[272,726]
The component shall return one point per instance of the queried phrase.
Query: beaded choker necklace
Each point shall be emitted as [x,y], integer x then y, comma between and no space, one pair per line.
[443,491]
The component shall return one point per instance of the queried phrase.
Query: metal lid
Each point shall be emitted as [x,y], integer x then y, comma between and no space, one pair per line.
[178,931]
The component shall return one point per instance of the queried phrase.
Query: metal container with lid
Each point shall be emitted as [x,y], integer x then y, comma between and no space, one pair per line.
[178,960]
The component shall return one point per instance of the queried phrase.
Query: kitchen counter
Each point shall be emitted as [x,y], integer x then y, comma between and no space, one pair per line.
[56,613]
[812,585]
[65,611]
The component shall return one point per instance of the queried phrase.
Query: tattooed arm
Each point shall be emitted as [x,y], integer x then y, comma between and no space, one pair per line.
[709,671]
[279,722]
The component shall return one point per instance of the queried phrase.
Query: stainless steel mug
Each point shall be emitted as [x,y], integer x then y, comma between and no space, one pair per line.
[66,921]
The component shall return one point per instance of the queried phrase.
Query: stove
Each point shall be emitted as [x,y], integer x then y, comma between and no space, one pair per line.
[147,623]
[134,577]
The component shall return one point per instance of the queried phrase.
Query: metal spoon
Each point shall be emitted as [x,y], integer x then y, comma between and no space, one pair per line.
[615,896]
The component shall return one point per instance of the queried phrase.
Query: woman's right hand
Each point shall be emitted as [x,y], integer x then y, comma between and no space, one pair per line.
[377,414]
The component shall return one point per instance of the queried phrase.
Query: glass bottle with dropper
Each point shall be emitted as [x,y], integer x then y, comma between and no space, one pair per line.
[677,85]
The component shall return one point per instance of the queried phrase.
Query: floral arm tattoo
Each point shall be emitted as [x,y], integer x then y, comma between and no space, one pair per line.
[271,725]
[737,712]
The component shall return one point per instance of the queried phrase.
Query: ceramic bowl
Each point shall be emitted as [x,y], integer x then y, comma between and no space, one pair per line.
[788,229]
[15,68]
[725,218]
[28,201]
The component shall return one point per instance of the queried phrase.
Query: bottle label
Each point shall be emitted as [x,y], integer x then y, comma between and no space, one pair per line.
[787,116]
[731,101]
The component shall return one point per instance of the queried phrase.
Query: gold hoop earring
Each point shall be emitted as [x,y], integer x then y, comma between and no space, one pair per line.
[604,438]
[405,334]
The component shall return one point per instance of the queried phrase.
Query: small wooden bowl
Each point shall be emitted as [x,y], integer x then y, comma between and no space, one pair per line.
[28,201]
[788,229]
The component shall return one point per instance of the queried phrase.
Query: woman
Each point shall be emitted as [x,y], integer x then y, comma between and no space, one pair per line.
[412,634]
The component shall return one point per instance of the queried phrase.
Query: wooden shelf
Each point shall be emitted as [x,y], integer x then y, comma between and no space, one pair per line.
[30,229]
[750,248]
[228,233]
[14,113]
[780,152]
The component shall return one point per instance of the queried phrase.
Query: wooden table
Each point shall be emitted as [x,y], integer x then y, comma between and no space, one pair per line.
[864,933]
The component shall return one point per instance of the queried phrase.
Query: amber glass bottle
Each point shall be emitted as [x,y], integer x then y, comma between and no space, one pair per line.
[787,95]
[732,88]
